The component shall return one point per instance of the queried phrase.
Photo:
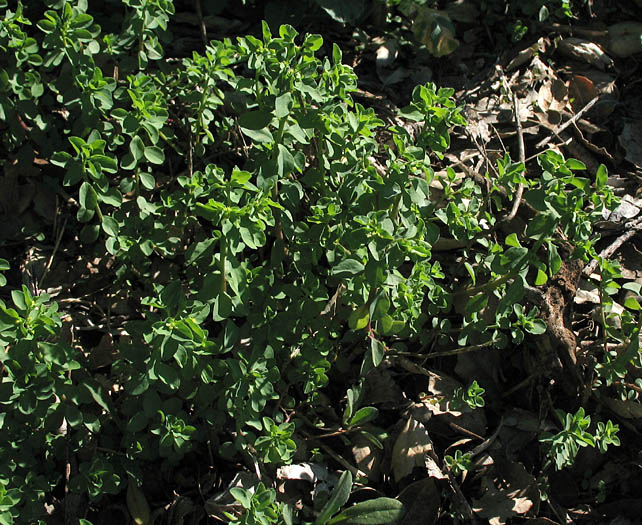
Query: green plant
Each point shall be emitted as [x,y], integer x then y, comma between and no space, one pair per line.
[376,511]
[471,396]
[262,255]
[564,446]
[458,463]
[260,507]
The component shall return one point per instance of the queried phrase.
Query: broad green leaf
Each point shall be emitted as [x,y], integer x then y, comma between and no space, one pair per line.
[476,303]
[337,499]
[87,196]
[542,225]
[147,180]
[342,11]
[601,177]
[632,303]
[359,318]
[168,375]
[282,105]
[512,240]
[541,278]
[137,148]
[377,350]
[154,154]
[380,511]
[575,164]
[554,259]
[285,161]
[98,393]
[313,42]
[110,226]
[255,120]
[18,299]
[89,233]
[364,415]
[386,323]
[347,267]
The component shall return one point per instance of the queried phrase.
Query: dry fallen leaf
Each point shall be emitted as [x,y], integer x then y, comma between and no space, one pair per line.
[367,457]
[410,448]
[421,500]
[631,140]
[585,51]
[625,39]
[627,409]
[512,491]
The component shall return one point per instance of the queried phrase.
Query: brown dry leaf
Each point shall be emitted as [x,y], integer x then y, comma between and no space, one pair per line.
[581,90]
[585,51]
[552,95]
[511,492]
[421,500]
[434,29]
[586,86]
[433,470]
[526,54]
[410,448]
[625,39]
[631,140]
[626,409]
[367,456]
[381,389]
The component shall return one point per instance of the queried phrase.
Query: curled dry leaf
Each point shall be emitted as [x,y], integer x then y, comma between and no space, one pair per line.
[585,51]
[625,39]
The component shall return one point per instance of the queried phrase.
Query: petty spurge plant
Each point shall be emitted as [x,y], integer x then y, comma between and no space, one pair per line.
[270,240]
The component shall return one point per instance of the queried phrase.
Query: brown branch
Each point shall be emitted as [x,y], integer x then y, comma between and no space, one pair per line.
[566,124]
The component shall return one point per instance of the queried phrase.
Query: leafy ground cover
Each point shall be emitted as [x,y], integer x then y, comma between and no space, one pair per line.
[318,262]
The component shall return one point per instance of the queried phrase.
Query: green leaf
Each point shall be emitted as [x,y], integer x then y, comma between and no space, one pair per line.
[377,350]
[98,393]
[476,303]
[337,499]
[168,375]
[363,416]
[601,176]
[574,164]
[380,511]
[342,11]
[154,154]
[89,233]
[255,120]
[347,267]
[359,318]
[87,196]
[512,240]
[632,303]
[541,277]
[18,299]
[137,148]
[282,105]
[110,226]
